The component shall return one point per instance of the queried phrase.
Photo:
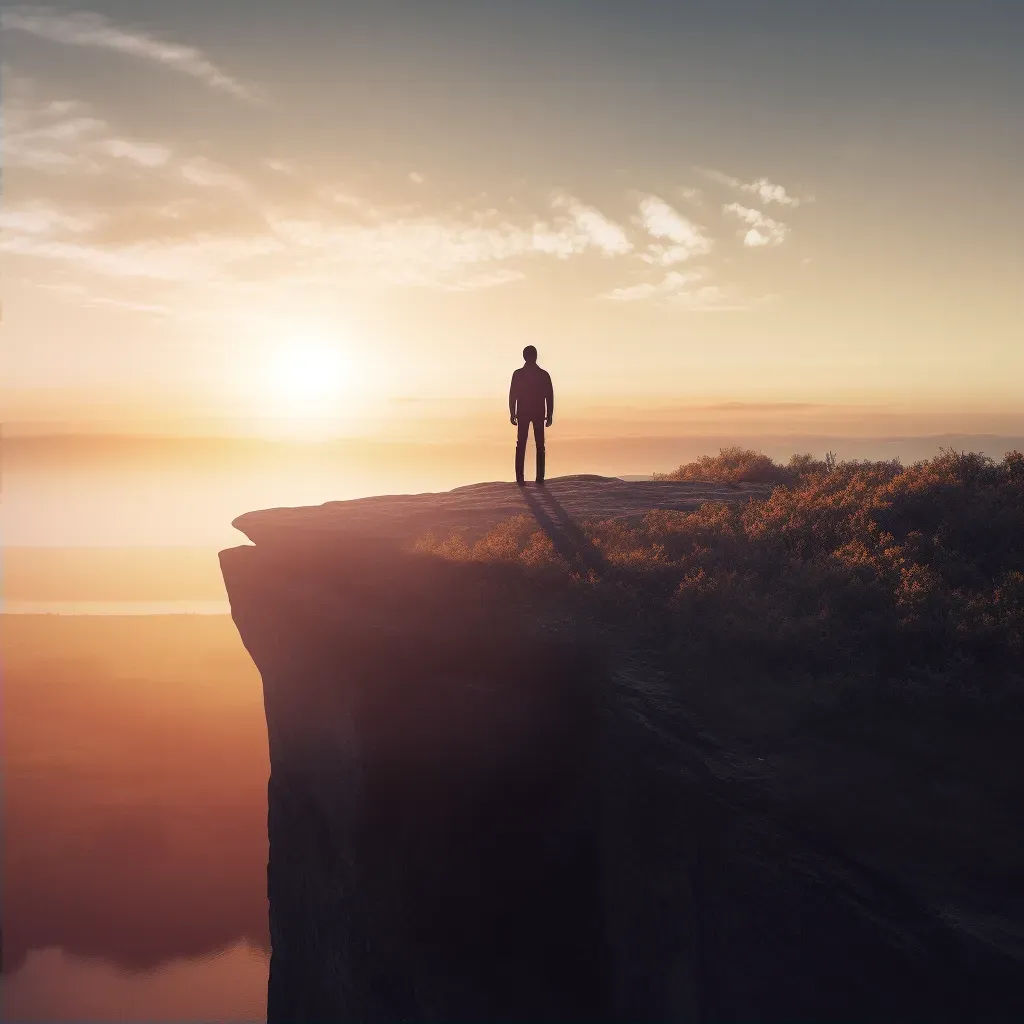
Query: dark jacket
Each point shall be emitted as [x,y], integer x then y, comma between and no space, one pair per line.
[531,394]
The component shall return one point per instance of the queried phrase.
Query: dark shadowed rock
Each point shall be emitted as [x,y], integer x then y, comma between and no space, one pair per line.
[484,805]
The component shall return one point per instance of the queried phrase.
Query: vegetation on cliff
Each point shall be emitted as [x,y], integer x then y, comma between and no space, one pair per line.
[858,599]
[862,626]
[913,572]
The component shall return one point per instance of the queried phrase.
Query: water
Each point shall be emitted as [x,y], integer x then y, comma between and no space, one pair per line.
[120,608]
[229,985]
[135,770]
[135,749]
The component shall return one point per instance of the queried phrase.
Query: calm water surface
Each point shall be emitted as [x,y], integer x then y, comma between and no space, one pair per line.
[135,769]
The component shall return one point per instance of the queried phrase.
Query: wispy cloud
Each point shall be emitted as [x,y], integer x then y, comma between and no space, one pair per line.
[681,290]
[89,29]
[604,234]
[39,218]
[762,230]
[144,154]
[672,283]
[88,297]
[767,191]
[666,255]
[430,249]
[191,260]
[187,221]
[209,174]
[225,228]
[662,221]
[289,168]
[64,137]
[491,279]
[61,137]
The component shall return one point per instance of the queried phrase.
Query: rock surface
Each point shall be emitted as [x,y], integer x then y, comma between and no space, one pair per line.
[478,507]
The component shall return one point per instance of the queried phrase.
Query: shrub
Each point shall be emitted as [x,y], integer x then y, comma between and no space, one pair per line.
[732,466]
[861,569]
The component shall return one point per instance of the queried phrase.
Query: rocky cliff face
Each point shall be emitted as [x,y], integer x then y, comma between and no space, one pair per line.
[482,806]
[443,836]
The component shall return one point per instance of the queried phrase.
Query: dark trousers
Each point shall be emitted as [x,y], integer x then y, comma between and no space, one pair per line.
[521,439]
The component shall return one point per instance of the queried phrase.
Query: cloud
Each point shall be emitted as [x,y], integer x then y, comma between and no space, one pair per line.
[64,137]
[416,178]
[765,190]
[209,174]
[144,154]
[681,289]
[45,136]
[762,230]
[88,297]
[598,230]
[341,197]
[717,176]
[191,260]
[88,29]
[710,298]
[191,221]
[426,249]
[492,279]
[38,218]
[633,292]
[198,239]
[673,283]
[162,231]
[666,255]
[664,222]
[286,167]
[769,193]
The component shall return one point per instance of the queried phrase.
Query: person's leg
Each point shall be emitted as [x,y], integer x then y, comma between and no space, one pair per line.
[538,436]
[522,434]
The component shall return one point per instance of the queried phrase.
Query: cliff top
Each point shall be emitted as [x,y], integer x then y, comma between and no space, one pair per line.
[479,507]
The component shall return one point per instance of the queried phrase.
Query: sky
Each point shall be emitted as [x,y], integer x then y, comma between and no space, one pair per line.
[233,215]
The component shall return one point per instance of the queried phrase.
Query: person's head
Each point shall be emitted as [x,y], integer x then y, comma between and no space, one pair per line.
[530,354]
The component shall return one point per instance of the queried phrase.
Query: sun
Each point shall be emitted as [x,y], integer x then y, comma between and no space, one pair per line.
[310,372]
[309,377]
[309,381]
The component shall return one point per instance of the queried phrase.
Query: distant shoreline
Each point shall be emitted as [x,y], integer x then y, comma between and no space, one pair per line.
[108,609]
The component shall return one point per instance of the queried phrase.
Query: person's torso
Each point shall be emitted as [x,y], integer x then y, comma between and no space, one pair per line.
[532,385]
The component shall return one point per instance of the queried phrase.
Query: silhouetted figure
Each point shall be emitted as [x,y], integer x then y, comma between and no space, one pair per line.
[531,399]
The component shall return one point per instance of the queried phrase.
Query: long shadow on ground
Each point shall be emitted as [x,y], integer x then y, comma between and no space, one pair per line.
[565,533]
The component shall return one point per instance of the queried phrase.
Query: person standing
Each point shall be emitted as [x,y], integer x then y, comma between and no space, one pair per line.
[531,399]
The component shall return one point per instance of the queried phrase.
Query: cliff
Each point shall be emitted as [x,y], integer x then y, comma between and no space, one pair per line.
[486,803]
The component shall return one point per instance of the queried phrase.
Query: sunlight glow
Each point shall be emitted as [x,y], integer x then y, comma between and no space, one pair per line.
[309,382]
[310,377]
[311,373]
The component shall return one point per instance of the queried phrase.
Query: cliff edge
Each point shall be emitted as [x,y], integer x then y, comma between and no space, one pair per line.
[485,804]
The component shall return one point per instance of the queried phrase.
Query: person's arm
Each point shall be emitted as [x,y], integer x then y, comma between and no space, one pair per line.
[551,400]
[512,400]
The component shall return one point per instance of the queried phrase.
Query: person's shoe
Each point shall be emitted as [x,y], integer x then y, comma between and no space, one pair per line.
[540,483]
[520,483]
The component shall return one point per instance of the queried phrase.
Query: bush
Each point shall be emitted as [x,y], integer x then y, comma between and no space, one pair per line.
[857,569]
